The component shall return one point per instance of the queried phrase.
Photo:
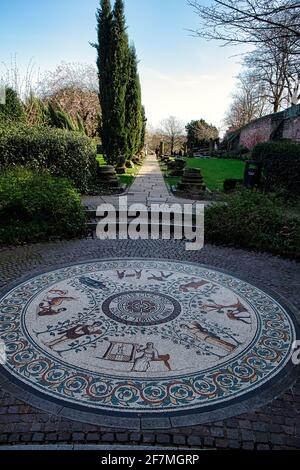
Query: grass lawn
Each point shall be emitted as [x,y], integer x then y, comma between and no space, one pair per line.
[215,171]
[127,179]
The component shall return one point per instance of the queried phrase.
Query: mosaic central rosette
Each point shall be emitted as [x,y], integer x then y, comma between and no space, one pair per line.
[143,336]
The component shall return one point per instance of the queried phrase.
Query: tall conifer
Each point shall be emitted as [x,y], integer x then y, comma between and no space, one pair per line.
[105,67]
[123,119]
[143,133]
[133,106]
[119,81]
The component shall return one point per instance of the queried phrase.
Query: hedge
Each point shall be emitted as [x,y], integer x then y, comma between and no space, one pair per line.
[254,220]
[65,154]
[38,207]
[281,165]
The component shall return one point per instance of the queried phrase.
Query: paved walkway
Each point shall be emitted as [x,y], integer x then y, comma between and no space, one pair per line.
[148,188]
[273,426]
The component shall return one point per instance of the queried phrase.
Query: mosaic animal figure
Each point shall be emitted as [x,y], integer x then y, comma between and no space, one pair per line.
[235,312]
[192,286]
[136,274]
[89,282]
[121,274]
[165,359]
[55,298]
[163,277]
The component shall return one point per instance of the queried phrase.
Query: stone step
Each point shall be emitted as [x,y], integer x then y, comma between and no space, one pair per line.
[93,223]
[92,214]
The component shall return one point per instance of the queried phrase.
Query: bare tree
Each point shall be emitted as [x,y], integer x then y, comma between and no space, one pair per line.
[68,75]
[153,137]
[249,102]
[172,130]
[248,21]
[273,26]
[74,86]
[21,81]
[276,66]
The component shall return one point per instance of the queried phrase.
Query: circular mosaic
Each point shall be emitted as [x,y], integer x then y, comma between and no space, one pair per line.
[141,308]
[143,336]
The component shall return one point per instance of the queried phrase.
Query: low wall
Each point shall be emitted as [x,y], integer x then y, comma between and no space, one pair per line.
[285,124]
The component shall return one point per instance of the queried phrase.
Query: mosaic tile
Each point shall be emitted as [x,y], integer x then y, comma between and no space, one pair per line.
[143,336]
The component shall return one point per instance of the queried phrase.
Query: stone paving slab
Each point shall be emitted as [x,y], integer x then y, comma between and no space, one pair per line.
[273,426]
[149,187]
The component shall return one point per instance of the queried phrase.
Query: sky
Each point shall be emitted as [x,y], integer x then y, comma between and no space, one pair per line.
[181,75]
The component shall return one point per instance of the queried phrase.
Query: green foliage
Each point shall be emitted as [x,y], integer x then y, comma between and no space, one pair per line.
[38,207]
[36,111]
[239,153]
[120,76]
[254,220]
[143,133]
[134,118]
[12,110]
[62,153]
[199,133]
[80,124]
[281,165]
[52,114]
[122,128]
[231,184]
[105,70]
[60,119]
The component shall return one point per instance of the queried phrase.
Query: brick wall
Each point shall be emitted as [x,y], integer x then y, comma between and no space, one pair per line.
[256,132]
[285,124]
[291,129]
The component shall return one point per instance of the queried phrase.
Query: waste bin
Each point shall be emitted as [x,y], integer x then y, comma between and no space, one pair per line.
[253,174]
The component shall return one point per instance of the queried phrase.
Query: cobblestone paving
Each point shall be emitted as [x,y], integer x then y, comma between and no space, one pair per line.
[274,426]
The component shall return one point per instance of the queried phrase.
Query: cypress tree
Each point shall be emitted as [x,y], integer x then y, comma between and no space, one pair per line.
[119,77]
[143,132]
[105,71]
[134,122]
[119,85]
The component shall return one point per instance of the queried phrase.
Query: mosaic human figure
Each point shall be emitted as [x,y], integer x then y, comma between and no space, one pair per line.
[142,363]
[74,333]
[200,333]
[236,312]
[53,299]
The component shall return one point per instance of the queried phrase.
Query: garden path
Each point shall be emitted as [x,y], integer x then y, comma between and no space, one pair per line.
[148,188]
